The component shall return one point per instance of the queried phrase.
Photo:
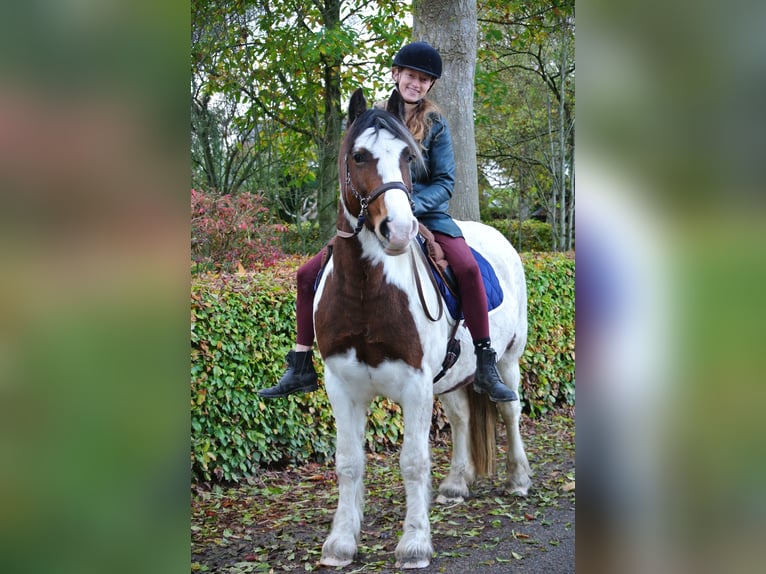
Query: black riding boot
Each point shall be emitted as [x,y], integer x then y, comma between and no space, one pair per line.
[300,376]
[487,379]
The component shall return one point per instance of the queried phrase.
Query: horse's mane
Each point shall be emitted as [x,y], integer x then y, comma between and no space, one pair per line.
[378,119]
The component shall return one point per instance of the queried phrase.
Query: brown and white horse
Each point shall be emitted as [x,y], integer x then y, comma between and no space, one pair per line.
[376,339]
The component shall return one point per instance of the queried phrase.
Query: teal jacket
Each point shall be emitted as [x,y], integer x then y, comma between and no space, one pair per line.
[431,191]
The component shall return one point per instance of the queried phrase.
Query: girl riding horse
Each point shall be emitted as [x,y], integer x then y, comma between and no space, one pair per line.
[416,67]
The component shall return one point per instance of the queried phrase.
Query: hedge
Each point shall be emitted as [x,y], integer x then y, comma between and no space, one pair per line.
[535,235]
[243,325]
[548,362]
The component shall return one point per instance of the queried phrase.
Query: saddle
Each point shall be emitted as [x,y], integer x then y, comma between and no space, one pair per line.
[439,264]
[445,279]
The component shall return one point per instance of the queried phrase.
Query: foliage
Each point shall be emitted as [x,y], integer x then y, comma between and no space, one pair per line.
[535,235]
[237,324]
[302,238]
[228,231]
[548,363]
[242,327]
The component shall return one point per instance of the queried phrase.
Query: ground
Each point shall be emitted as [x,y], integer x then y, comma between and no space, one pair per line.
[278,522]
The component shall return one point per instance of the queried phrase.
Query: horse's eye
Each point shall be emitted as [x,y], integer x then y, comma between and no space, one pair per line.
[359,157]
[410,158]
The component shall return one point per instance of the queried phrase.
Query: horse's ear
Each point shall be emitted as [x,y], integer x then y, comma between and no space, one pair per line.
[357,106]
[395,105]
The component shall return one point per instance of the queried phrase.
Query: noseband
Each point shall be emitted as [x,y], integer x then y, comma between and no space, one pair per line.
[364,202]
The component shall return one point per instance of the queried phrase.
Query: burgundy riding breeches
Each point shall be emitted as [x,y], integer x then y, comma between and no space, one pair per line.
[304,304]
[473,298]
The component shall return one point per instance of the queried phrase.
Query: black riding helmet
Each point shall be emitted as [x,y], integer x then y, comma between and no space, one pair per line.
[420,56]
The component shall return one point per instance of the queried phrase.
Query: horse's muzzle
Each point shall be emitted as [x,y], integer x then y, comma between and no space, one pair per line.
[396,237]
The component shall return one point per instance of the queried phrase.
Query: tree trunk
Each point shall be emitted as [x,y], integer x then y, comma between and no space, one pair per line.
[450,26]
[562,128]
[329,146]
[553,211]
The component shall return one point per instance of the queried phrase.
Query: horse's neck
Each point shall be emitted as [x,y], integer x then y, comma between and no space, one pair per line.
[349,262]
[361,266]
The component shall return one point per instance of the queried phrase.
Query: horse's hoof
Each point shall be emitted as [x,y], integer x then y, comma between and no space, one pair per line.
[337,553]
[332,561]
[412,564]
[441,499]
[518,486]
[516,490]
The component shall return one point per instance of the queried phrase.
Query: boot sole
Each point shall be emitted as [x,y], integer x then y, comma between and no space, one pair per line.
[306,389]
[493,399]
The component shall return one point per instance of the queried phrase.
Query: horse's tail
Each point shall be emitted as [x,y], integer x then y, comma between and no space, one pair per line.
[482,423]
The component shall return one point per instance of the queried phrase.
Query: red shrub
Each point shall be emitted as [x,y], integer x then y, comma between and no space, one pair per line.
[228,231]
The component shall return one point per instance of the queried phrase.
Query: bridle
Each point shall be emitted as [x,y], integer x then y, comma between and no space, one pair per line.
[365,201]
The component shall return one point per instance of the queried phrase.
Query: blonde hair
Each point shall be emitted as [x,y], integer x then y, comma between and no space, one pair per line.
[422,118]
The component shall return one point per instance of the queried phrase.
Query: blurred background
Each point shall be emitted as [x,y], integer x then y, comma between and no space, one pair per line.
[94,255]
[670,268]
[94,260]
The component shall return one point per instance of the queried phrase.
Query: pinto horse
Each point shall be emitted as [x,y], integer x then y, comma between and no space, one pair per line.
[379,337]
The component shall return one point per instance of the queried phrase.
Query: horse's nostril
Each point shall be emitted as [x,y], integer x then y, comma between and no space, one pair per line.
[384,230]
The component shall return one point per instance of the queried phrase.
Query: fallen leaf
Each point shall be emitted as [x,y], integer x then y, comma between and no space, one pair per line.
[568,486]
[520,535]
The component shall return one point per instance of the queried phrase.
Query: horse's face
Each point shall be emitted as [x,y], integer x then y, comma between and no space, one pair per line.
[374,169]
[375,160]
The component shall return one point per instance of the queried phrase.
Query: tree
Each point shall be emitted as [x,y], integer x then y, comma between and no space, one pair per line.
[525,105]
[283,66]
[450,27]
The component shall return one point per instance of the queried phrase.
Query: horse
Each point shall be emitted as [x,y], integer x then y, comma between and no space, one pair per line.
[378,337]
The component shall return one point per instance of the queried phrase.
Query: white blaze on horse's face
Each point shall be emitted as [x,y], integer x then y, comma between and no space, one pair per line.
[400,226]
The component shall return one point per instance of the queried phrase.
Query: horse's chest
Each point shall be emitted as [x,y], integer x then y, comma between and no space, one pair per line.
[369,316]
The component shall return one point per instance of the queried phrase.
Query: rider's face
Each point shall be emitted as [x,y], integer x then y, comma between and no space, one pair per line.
[413,85]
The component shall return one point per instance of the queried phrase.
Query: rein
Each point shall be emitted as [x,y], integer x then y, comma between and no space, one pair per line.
[420,286]
[364,202]
[453,345]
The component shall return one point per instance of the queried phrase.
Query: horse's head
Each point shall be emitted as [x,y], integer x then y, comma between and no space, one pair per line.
[374,172]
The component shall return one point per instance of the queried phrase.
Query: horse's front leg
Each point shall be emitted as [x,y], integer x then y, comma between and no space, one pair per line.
[455,488]
[415,549]
[350,415]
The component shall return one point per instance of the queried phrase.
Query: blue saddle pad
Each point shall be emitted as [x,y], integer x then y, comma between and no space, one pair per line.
[488,275]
